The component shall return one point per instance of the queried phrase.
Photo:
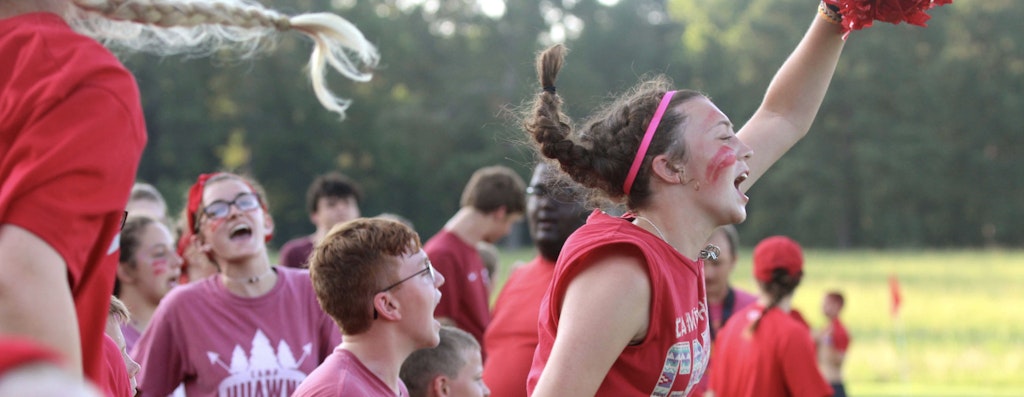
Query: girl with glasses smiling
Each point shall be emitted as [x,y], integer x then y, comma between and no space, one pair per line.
[253,326]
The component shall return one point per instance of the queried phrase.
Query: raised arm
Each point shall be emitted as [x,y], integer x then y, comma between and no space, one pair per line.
[793,98]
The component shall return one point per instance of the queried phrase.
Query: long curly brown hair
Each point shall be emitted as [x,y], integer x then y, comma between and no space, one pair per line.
[599,156]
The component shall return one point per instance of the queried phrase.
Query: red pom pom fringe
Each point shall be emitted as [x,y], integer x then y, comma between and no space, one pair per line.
[860,14]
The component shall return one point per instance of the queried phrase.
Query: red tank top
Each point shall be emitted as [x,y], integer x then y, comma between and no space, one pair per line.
[674,354]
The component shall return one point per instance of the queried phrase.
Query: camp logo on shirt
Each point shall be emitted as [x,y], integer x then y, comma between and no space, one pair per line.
[686,357]
[264,372]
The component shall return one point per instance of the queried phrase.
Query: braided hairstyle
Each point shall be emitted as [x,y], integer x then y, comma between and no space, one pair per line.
[168,27]
[781,285]
[599,156]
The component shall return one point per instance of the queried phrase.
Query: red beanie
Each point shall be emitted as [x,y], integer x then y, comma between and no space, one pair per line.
[777,252]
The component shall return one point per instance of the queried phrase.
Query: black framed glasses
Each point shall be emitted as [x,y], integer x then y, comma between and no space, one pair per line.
[429,268]
[243,201]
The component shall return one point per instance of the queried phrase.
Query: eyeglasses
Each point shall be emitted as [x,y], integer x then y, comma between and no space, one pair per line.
[429,268]
[220,208]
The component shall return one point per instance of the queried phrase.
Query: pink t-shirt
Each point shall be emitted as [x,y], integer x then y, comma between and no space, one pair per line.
[511,338]
[673,355]
[71,136]
[465,294]
[131,337]
[219,344]
[342,374]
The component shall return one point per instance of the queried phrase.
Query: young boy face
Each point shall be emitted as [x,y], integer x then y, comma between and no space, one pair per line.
[114,332]
[470,381]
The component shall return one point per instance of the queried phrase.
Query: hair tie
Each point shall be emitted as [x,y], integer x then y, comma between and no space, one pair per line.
[641,152]
[549,88]
[195,197]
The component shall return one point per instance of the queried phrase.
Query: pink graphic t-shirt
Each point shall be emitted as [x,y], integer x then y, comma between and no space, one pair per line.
[219,344]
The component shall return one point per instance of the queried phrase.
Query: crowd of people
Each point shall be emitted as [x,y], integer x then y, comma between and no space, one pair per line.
[631,217]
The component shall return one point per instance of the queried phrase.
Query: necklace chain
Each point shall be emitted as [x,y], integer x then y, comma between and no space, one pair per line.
[660,234]
[250,279]
[710,252]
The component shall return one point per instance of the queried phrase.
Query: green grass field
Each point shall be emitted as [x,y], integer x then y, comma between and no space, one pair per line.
[960,331]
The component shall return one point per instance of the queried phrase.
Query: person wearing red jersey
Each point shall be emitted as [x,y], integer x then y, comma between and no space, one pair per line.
[763,351]
[492,200]
[71,137]
[553,212]
[626,313]
[72,133]
[833,340]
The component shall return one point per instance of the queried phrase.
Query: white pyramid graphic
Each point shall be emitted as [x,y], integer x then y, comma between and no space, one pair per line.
[264,372]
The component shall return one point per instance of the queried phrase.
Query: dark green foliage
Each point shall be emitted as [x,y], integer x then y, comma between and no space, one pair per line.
[916,144]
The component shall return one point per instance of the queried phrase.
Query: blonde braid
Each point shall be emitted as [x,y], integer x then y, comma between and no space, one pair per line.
[209,24]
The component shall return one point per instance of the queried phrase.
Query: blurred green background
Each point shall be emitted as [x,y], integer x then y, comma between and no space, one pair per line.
[959,331]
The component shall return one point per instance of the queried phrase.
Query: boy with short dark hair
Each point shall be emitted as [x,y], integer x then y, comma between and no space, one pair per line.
[331,199]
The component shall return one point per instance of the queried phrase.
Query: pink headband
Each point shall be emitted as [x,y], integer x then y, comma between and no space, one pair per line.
[641,152]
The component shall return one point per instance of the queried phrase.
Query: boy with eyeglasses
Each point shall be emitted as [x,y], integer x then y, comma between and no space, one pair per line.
[373,278]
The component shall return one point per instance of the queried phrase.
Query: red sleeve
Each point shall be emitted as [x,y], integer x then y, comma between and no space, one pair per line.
[800,366]
[22,351]
[66,178]
[68,174]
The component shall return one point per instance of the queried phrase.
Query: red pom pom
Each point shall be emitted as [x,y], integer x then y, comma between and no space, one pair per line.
[859,14]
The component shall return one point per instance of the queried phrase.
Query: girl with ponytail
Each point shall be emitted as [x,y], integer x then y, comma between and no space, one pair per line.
[764,350]
[626,312]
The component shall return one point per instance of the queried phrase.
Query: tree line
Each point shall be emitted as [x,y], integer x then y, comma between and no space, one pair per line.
[915,145]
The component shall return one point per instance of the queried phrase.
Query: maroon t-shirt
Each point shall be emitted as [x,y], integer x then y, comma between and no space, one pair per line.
[465,294]
[217,343]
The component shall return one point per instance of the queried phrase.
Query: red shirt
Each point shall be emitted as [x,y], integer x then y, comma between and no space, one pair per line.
[778,360]
[118,383]
[674,354]
[465,294]
[840,337]
[20,351]
[511,338]
[71,135]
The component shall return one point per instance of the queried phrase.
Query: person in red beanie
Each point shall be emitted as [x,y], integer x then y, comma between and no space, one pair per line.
[763,351]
